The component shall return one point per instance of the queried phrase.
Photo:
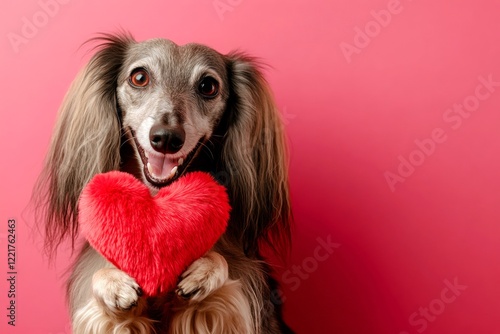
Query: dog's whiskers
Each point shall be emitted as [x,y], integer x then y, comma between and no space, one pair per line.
[125,142]
[208,148]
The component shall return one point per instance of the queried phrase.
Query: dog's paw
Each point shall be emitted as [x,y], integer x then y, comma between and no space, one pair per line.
[203,276]
[115,290]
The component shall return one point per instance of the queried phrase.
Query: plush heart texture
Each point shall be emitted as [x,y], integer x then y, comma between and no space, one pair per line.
[153,239]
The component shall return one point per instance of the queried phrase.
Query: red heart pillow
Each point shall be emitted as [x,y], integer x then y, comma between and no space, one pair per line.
[153,239]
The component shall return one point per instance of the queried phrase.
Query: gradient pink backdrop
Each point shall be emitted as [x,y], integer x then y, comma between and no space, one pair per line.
[350,119]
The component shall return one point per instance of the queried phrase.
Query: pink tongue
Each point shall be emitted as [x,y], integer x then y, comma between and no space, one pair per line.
[160,167]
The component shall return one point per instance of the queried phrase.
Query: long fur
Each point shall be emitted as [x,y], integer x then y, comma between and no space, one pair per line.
[246,152]
[86,142]
[255,156]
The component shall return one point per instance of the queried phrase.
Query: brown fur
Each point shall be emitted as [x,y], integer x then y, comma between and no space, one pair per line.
[246,152]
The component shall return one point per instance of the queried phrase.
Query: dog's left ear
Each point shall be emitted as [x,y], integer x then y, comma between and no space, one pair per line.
[86,141]
[255,157]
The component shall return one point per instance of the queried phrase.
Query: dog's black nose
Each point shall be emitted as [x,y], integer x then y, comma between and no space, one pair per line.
[166,139]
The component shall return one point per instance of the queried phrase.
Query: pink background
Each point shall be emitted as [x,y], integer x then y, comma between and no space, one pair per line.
[350,119]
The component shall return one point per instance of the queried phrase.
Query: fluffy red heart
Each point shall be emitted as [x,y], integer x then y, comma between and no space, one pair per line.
[153,239]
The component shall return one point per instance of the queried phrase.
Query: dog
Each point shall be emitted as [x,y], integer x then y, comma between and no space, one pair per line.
[158,110]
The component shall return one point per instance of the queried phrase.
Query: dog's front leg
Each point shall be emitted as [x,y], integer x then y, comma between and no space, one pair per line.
[203,276]
[116,293]
[210,301]
[104,299]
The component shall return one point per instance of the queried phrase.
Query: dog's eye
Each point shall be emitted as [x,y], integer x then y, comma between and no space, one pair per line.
[139,78]
[208,87]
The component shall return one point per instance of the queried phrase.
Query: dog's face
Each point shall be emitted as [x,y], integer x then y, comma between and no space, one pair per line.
[171,98]
[158,110]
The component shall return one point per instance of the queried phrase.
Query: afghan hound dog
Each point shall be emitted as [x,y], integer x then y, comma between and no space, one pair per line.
[158,110]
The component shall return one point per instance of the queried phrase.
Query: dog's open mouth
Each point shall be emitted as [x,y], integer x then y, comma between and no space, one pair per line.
[161,170]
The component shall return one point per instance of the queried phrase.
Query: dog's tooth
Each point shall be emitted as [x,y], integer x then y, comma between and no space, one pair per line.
[181,160]
[150,169]
[173,172]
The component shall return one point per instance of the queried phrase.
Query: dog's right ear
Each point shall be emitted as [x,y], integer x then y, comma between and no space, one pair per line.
[86,141]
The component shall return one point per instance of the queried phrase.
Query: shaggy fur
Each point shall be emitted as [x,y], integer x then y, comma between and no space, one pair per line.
[233,131]
[153,239]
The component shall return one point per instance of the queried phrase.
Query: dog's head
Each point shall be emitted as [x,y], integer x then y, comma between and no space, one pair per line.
[170,106]
[171,99]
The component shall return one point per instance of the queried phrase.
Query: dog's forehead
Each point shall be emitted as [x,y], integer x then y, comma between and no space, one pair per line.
[171,59]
